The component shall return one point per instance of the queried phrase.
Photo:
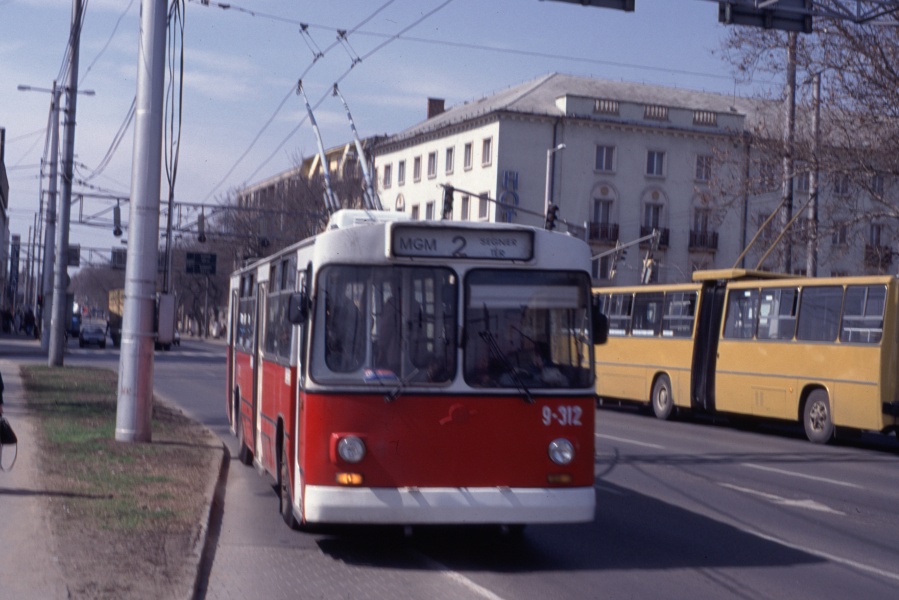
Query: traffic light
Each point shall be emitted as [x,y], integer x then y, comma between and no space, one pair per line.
[116,221]
[551,214]
[201,228]
[448,192]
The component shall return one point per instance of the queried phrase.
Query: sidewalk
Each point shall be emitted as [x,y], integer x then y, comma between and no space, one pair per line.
[28,564]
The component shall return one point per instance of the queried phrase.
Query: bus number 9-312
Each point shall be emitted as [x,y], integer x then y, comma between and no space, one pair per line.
[563,415]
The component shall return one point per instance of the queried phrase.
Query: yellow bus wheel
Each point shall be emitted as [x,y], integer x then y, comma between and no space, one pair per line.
[816,418]
[662,400]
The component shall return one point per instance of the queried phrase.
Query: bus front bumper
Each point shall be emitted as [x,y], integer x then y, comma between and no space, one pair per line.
[328,504]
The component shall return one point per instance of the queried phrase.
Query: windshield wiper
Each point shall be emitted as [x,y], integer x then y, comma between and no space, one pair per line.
[401,386]
[497,353]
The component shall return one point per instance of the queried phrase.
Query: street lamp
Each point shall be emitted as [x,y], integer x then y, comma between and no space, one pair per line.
[549,156]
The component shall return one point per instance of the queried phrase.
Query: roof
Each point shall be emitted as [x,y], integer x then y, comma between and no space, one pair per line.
[538,97]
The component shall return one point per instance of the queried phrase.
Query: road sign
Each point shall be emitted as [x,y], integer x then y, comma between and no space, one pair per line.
[200,263]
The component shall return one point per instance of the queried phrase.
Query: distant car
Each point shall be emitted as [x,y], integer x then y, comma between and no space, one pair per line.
[92,334]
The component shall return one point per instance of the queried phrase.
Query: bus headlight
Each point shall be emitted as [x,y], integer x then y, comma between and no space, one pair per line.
[561,451]
[351,449]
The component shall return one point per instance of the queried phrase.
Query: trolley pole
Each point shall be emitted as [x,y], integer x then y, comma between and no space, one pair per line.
[135,393]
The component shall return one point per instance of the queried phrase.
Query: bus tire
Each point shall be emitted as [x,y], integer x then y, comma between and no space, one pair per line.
[817,419]
[285,497]
[243,452]
[662,400]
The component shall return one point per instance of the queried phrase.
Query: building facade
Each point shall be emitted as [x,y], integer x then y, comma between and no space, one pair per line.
[620,161]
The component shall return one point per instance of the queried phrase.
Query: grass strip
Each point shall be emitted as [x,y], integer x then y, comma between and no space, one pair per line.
[104,484]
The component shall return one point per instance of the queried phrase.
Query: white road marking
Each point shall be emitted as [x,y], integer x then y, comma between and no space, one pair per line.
[461,579]
[627,441]
[807,504]
[801,475]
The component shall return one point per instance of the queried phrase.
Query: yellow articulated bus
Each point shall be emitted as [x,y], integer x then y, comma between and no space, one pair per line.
[820,351]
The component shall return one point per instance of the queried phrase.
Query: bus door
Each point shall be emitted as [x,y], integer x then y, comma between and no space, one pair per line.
[261,301]
[705,349]
[233,399]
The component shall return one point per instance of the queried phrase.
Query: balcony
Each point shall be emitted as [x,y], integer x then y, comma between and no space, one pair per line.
[878,257]
[703,240]
[663,236]
[603,232]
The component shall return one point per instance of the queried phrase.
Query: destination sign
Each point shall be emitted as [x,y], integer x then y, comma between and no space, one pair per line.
[410,240]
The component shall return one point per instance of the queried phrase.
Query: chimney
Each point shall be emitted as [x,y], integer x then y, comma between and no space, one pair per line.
[435,106]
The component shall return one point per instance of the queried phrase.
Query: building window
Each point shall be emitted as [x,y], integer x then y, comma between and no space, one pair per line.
[652,216]
[703,167]
[416,169]
[466,156]
[877,185]
[605,158]
[803,182]
[388,175]
[602,211]
[401,173]
[487,152]
[701,219]
[483,206]
[840,231]
[655,163]
[768,177]
[450,157]
[840,184]
[414,212]
[429,210]
[466,208]
[875,234]
[432,165]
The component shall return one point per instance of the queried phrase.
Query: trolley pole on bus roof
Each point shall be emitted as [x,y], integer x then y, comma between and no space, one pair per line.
[135,393]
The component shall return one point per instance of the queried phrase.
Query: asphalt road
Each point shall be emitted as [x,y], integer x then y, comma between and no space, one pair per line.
[686,509]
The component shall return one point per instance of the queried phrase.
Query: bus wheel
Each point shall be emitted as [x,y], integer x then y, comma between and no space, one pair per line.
[243,453]
[816,418]
[662,401]
[284,493]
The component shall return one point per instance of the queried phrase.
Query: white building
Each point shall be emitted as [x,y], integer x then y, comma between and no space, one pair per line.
[635,158]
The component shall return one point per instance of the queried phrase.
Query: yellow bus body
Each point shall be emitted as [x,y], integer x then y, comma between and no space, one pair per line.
[771,378]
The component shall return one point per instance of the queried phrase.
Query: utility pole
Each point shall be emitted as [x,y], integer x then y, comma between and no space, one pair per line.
[135,393]
[59,318]
[50,227]
[811,260]
[789,132]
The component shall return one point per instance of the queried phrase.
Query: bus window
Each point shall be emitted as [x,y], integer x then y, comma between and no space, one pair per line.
[679,313]
[819,313]
[619,309]
[742,309]
[344,322]
[647,313]
[777,314]
[863,314]
[527,330]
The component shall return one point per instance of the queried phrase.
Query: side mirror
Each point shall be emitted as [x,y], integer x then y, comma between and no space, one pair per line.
[298,308]
[600,327]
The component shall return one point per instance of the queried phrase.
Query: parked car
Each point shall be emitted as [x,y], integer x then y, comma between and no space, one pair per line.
[92,333]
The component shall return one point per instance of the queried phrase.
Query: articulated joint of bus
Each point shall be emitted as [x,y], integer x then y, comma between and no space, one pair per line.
[891,408]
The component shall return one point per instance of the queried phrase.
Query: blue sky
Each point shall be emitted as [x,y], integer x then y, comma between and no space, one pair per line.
[243,63]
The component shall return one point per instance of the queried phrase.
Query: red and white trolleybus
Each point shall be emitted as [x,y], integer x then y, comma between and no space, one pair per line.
[406,372]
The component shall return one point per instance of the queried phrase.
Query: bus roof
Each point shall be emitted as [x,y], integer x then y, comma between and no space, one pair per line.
[737,274]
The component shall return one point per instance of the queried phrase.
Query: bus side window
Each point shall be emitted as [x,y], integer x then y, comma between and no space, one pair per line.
[619,312]
[863,314]
[819,313]
[777,314]
[742,310]
[647,313]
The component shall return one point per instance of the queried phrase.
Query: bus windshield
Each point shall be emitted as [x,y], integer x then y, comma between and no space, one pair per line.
[386,325]
[527,329]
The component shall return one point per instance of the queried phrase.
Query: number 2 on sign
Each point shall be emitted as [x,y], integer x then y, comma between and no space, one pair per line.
[564,415]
